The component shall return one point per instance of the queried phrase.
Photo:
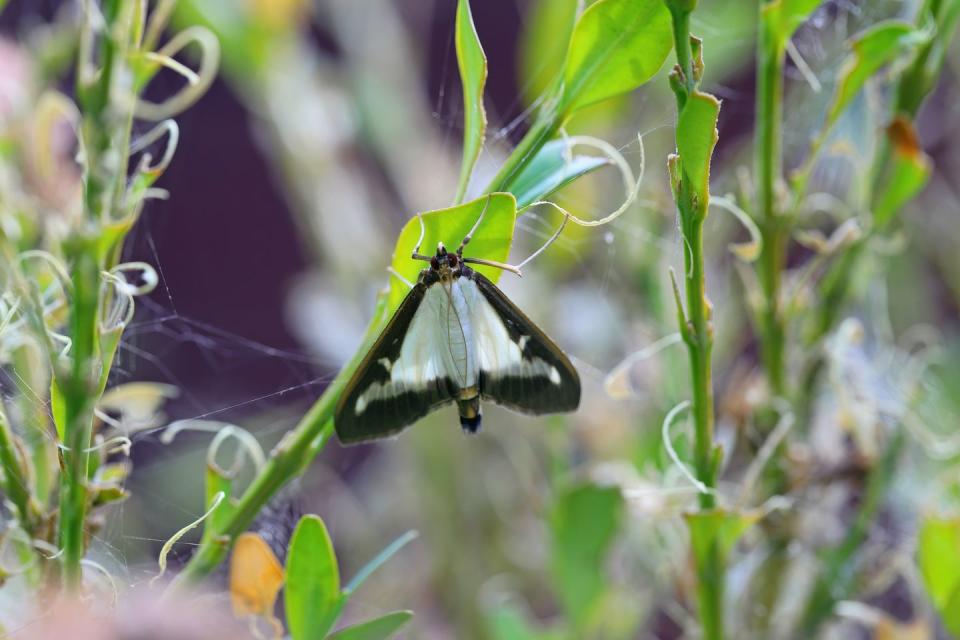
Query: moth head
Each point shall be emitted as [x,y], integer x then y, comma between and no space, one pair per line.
[444,258]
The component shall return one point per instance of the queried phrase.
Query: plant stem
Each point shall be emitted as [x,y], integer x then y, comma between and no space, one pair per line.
[697,330]
[76,384]
[769,169]
[288,460]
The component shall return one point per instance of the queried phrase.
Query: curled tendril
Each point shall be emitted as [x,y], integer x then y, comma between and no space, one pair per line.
[197,82]
[668,421]
[110,446]
[168,545]
[166,128]
[631,184]
[746,251]
[248,444]
[147,273]
[52,109]
[121,309]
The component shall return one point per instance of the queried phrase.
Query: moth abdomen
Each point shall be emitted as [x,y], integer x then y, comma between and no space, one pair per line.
[470,417]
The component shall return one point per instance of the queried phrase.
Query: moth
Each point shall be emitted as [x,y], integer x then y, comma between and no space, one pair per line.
[455,338]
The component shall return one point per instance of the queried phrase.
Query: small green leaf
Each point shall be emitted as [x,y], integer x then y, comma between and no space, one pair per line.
[379,560]
[783,17]
[938,551]
[696,138]
[491,241]
[377,629]
[473,76]
[550,170]
[617,45]
[583,525]
[716,526]
[58,408]
[872,50]
[312,595]
[909,172]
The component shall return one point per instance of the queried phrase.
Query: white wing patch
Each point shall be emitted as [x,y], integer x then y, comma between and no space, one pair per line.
[454,335]
[498,355]
[439,345]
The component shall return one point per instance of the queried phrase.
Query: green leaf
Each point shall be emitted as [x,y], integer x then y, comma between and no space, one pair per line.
[473,75]
[549,25]
[377,629]
[696,138]
[491,241]
[909,172]
[783,17]
[872,50]
[583,525]
[938,551]
[379,560]
[312,596]
[716,526]
[550,170]
[617,45]
[58,407]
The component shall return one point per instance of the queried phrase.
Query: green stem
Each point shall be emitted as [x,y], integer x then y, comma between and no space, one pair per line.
[77,385]
[769,170]
[697,330]
[288,460]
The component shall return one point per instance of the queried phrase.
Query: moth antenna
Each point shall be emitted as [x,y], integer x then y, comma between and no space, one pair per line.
[516,269]
[493,263]
[466,238]
[416,255]
[566,217]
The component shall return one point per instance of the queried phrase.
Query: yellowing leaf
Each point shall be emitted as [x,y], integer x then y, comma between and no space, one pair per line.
[255,577]
[909,172]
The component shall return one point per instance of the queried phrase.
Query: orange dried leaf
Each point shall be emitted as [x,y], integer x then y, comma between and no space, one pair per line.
[255,577]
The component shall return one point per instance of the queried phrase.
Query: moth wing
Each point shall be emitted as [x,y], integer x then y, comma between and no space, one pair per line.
[520,367]
[400,380]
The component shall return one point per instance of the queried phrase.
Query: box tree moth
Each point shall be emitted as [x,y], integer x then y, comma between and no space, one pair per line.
[455,338]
